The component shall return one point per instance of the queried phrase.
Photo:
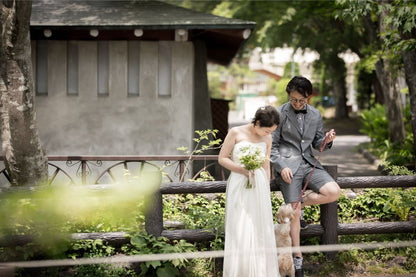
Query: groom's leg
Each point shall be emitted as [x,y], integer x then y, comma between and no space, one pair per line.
[291,194]
[295,230]
[295,235]
[328,193]
[324,188]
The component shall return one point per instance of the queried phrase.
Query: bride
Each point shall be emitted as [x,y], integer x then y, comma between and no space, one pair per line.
[249,235]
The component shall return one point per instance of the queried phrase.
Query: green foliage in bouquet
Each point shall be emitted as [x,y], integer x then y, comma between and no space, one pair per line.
[251,157]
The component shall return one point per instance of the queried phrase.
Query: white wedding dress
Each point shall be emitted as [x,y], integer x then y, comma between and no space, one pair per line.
[250,248]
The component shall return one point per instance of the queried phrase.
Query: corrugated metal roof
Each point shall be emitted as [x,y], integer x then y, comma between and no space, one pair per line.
[138,14]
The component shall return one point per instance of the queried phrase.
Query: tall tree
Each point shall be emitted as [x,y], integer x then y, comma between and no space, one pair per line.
[373,16]
[378,31]
[401,21]
[25,160]
[307,22]
[409,59]
[388,79]
[299,24]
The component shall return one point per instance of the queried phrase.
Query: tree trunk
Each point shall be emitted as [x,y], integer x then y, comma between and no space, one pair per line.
[371,30]
[392,97]
[409,60]
[341,100]
[337,72]
[25,160]
[392,101]
[379,98]
[384,75]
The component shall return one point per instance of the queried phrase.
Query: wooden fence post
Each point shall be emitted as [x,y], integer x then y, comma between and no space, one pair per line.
[154,214]
[329,217]
[154,207]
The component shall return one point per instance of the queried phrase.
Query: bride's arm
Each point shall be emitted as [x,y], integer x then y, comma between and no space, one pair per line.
[266,164]
[224,157]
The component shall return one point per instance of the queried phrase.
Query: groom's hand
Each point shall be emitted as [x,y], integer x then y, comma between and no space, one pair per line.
[330,135]
[287,175]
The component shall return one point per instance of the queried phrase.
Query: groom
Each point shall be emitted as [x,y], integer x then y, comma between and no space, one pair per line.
[293,160]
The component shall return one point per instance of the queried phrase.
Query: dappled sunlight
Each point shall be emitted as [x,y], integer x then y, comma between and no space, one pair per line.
[47,214]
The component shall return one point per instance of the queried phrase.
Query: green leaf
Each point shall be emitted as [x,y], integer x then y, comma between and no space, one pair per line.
[168,270]
[154,264]
[138,242]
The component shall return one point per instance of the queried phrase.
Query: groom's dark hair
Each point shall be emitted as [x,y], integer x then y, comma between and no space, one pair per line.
[301,85]
[267,116]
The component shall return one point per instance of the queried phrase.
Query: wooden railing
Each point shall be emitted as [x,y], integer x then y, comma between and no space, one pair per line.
[328,230]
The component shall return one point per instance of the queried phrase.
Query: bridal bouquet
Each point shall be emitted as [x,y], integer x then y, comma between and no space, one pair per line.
[251,157]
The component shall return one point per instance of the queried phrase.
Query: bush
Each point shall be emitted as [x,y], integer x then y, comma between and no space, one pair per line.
[378,204]
[375,124]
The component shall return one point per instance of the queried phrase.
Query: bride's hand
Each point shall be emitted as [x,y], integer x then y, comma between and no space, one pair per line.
[251,173]
[247,173]
[241,170]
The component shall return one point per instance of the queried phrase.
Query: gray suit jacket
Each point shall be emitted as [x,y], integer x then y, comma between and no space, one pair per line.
[290,146]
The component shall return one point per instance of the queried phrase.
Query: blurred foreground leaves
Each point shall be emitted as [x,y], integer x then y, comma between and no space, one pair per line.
[48,214]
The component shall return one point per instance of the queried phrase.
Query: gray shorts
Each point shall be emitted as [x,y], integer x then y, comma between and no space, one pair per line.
[291,192]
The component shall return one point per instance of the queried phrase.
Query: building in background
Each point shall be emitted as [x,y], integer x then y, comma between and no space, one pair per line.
[125,77]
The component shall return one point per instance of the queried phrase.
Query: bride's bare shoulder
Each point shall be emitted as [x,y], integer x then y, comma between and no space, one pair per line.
[239,129]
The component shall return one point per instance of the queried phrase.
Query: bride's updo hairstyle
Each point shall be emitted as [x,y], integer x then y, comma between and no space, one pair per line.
[266,116]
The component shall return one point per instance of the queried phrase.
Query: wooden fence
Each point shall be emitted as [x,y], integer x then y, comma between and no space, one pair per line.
[328,230]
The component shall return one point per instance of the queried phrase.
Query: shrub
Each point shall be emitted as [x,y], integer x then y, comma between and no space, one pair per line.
[378,204]
[375,124]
